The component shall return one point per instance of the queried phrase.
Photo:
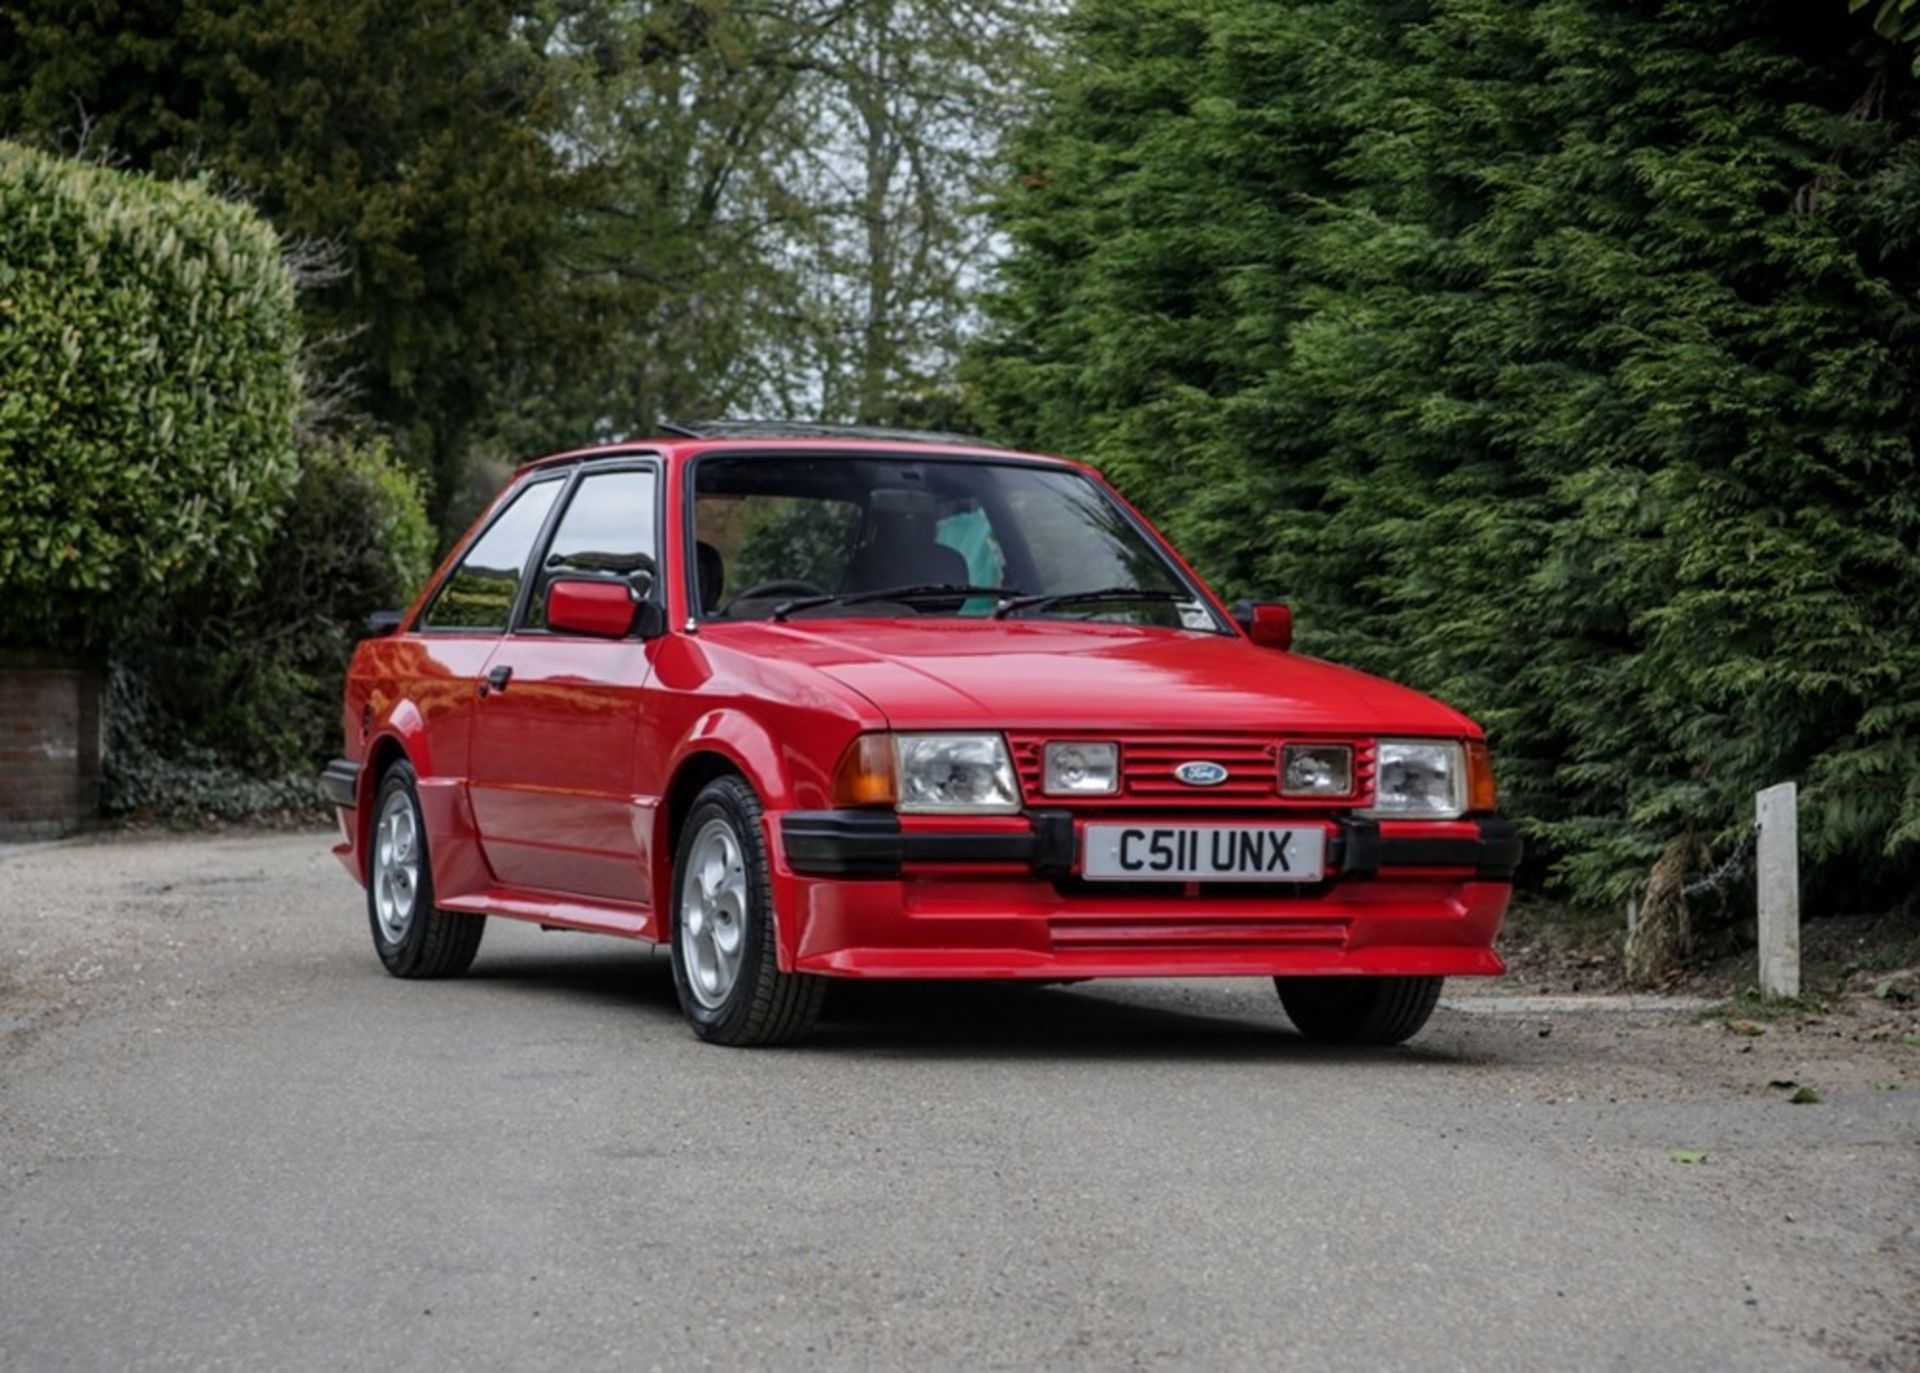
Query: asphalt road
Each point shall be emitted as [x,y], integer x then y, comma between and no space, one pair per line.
[230,1140]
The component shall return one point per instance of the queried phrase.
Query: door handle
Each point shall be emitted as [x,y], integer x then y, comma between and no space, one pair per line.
[497,679]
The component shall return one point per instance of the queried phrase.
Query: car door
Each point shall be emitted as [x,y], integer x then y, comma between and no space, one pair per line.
[439,665]
[553,739]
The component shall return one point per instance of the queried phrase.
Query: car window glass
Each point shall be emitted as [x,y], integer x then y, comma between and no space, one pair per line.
[606,531]
[784,528]
[970,534]
[479,594]
[1076,537]
[765,538]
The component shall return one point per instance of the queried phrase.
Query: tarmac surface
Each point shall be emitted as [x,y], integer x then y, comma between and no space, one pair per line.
[228,1139]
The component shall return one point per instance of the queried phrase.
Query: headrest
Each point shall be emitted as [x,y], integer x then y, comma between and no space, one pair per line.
[711,572]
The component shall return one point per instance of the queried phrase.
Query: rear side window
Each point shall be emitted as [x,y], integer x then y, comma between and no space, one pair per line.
[607,531]
[480,592]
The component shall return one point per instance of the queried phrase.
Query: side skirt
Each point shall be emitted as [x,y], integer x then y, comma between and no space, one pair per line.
[566,912]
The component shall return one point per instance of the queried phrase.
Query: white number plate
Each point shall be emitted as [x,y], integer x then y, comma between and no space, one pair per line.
[1205,853]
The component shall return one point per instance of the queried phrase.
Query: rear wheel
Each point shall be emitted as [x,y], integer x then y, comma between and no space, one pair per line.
[1359,1010]
[725,965]
[413,937]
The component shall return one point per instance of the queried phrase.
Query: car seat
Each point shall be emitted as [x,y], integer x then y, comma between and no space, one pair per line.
[904,552]
[710,571]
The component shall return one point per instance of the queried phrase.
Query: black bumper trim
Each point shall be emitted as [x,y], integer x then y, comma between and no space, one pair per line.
[341,781]
[859,843]
[1353,849]
[1493,856]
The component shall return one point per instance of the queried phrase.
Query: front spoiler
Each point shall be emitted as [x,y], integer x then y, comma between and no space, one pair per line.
[1405,961]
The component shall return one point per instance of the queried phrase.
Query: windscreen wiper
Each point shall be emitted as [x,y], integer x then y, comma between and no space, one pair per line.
[918,591]
[1118,594]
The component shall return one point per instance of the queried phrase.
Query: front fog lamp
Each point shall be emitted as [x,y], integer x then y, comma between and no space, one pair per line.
[1316,770]
[949,774]
[1420,779]
[1081,770]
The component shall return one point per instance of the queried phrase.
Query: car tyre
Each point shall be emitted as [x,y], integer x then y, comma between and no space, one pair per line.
[1359,1010]
[725,960]
[413,936]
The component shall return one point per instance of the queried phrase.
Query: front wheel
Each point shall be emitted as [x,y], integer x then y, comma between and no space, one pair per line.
[1359,1010]
[725,964]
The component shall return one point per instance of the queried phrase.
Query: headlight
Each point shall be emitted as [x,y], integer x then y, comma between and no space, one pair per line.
[1316,770]
[1421,779]
[1081,769]
[954,774]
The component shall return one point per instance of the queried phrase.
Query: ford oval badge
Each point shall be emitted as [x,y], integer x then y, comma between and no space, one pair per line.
[1201,774]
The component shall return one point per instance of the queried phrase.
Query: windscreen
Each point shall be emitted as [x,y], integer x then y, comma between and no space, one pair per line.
[882,536]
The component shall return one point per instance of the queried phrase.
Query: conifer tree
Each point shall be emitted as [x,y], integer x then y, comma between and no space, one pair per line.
[1560,358]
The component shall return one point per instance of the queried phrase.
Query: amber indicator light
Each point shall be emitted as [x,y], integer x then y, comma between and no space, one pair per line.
[1481,795]
[864,776]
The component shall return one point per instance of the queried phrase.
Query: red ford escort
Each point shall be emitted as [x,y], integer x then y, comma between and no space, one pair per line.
[807,705]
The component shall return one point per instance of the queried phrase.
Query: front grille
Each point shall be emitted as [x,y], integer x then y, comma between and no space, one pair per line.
[1147,762]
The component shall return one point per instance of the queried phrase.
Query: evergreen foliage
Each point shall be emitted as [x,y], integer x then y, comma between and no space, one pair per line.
[1559,358]
[555,220]
[229,704]
[147,394]
[418,142]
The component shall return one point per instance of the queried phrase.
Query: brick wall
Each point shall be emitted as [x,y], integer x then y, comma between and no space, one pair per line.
[49,744]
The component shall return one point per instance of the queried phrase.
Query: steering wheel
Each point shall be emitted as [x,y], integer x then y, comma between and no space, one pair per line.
[785,589]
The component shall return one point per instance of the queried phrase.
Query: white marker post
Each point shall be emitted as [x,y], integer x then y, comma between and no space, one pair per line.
[1776,813]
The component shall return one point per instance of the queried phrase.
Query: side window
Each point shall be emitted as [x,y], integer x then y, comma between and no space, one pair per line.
[607,530]
[479,594]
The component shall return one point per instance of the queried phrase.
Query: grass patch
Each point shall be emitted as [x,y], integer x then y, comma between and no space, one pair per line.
[1748,1003]
[1891,957]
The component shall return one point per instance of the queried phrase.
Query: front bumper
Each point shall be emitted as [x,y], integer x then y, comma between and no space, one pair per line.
[340,781]
[878,897]
[858,843]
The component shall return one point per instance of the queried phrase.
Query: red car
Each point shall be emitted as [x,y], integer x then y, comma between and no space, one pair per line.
[804,705]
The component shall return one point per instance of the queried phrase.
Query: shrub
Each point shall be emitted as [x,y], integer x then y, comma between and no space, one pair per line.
[228,708]
[147,395]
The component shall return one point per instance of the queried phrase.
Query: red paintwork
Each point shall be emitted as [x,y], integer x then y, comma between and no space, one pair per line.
[600,609]
[549,800]
[1272,626]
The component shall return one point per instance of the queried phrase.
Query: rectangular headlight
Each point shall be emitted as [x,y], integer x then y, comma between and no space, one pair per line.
[955,774]
[1316,770]
[1078,769]
[1420,779]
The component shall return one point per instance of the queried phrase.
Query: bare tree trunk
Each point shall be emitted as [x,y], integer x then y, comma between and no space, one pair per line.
[1658,944]
[876,362]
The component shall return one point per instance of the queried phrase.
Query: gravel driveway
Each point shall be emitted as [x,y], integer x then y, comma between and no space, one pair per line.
[228,1139]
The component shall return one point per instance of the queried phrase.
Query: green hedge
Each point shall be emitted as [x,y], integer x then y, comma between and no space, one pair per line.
[1562,360]
[147,393]
[231,703]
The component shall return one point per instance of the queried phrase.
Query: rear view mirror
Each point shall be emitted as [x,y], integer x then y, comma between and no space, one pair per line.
[1268,623]
[602,609]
